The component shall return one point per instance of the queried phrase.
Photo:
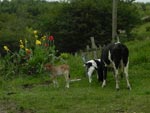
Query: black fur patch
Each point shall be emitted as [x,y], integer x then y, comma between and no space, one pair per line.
[89,64]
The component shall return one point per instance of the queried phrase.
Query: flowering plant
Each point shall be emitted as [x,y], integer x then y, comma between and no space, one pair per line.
[44,51]
[10,61]
[30,59]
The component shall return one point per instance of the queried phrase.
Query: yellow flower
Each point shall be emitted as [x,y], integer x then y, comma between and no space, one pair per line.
[26,49]
[21,42]
[36,36]
[6,48]
[44,38]
[35,32]
[22,46]
[38,42]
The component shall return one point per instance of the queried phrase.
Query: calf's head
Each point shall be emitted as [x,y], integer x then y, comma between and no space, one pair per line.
[47,67]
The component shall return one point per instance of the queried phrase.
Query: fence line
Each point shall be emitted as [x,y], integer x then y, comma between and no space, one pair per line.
[91,53]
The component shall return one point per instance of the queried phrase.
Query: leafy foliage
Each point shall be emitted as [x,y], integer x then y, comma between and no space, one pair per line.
[79,20]
[72,23]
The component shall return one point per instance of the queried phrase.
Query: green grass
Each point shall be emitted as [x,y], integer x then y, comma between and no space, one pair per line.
[142,31]
[31,94]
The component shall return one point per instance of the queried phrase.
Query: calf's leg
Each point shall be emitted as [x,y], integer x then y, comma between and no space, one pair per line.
[54,79]
[67,78]
[90,71]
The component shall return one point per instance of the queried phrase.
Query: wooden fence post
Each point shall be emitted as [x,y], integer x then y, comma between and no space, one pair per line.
[87,51]
[84,59]
[114,20]
[94,47]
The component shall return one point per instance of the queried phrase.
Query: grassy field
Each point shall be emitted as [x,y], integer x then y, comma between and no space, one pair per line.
[36,94]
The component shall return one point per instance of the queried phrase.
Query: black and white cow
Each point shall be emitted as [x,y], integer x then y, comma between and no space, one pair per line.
[116,54]
[91,66]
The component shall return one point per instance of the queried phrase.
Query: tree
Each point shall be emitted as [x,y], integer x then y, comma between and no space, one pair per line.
[72,23]
[78,20]
[128,17]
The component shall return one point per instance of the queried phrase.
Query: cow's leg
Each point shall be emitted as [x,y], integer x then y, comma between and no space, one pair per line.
[90,71]
[126,75]
[104,77]
[121,69]
[115,66]
[116,77]
[115,62]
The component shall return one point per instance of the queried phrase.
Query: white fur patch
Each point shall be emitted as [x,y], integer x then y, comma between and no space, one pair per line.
[92,68]
[109,56]
[93,63]
[117,42]
[99,60]
[104,83]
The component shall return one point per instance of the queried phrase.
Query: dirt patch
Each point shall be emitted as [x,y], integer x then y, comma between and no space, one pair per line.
[31,85]
[2,110]
[11,93]
[119,111]
[23,110]
[27,86]
[7,106]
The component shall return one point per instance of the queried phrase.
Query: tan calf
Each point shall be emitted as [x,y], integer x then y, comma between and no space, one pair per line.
[57,71]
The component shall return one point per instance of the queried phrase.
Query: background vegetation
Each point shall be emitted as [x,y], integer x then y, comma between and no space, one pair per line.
[26,88]
[72,23]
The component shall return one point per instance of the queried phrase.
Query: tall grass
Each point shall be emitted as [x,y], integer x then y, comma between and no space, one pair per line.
[139,52]
[142,31]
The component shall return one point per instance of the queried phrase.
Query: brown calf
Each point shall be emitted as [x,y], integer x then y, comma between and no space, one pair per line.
[57,71]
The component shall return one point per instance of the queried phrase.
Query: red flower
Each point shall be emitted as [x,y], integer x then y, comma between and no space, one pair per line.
[51,38]
[28,52]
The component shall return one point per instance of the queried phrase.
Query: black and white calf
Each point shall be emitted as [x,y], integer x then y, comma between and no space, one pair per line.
[91,66]
[116,54]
